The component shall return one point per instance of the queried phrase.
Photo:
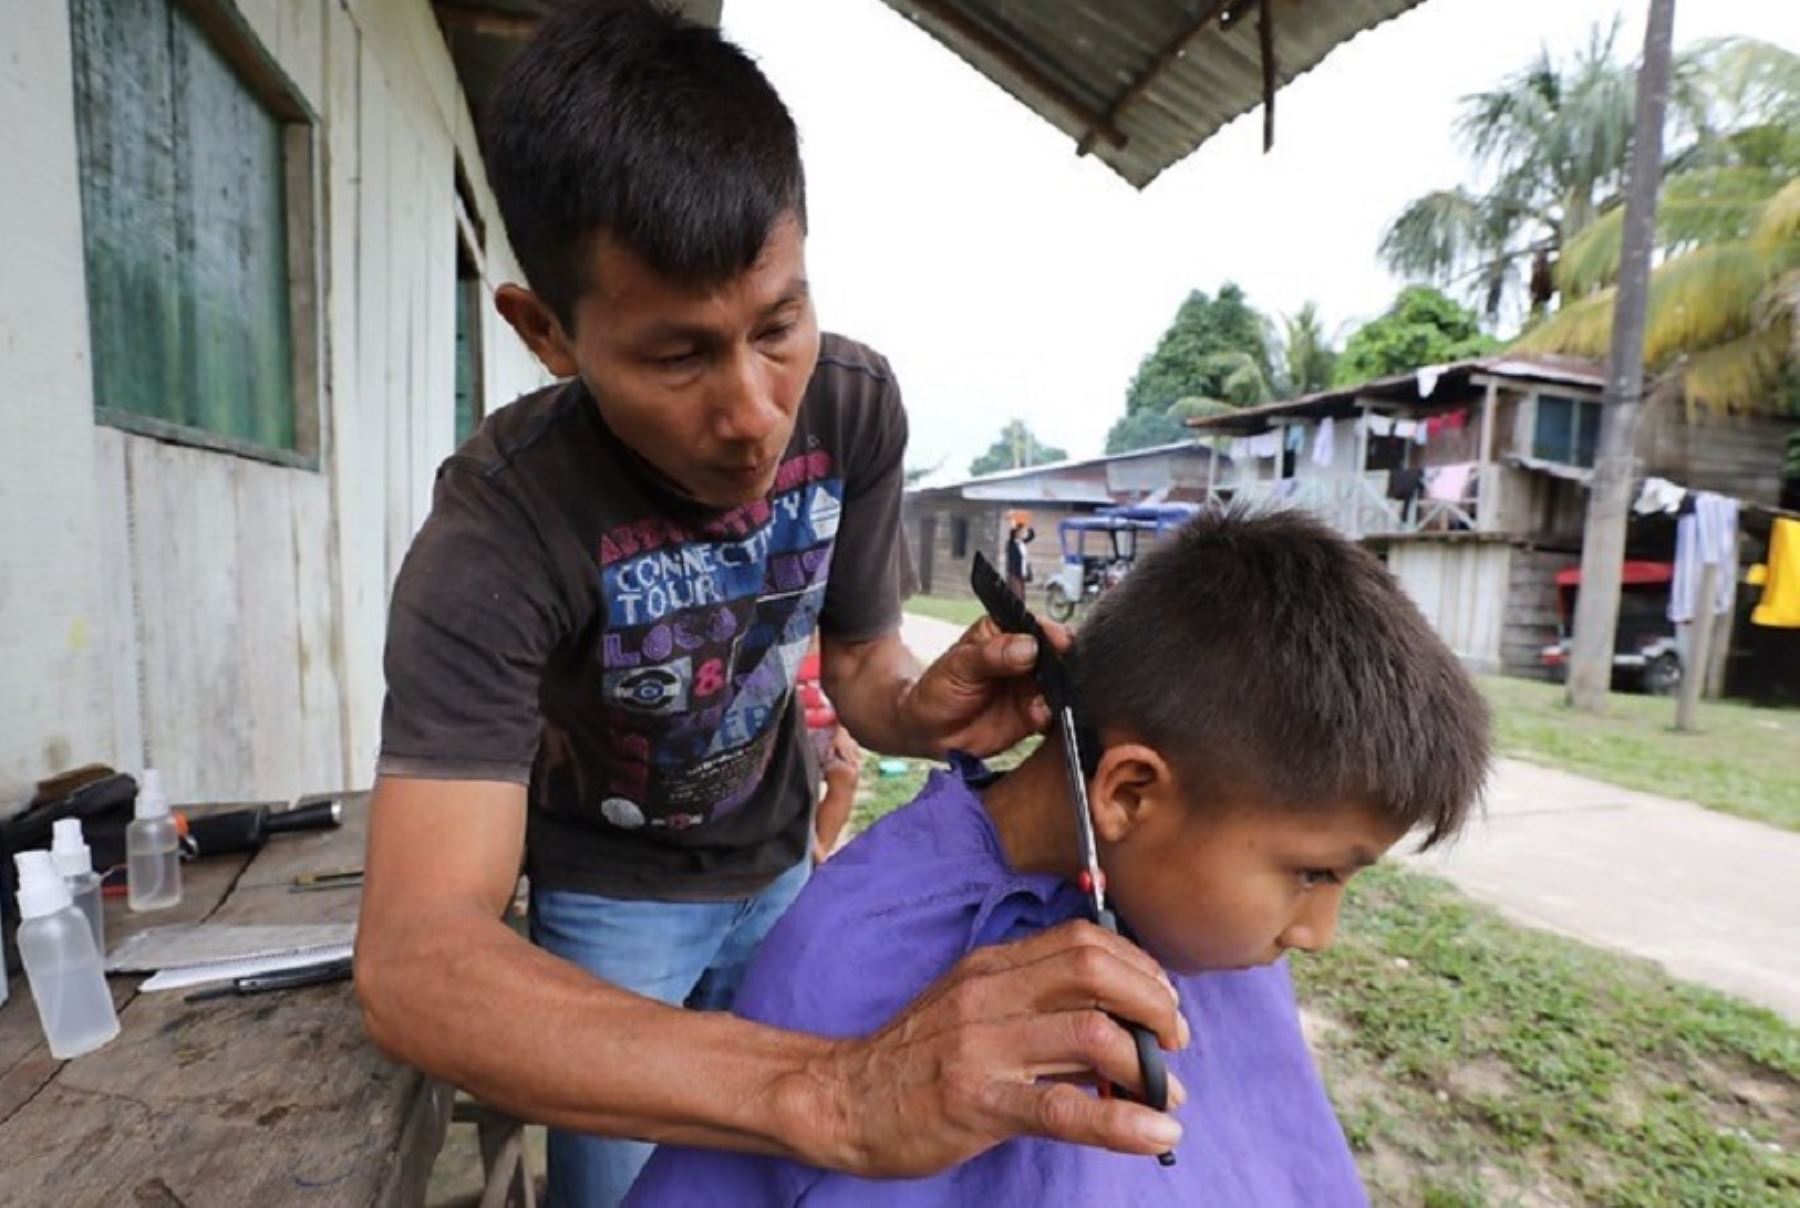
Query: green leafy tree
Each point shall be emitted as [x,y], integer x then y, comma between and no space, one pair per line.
[1145,430]
[1217,348]
[1423,327]
[1014,449]
[1210,341]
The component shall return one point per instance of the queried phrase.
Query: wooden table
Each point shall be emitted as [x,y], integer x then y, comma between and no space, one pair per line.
[268,1099]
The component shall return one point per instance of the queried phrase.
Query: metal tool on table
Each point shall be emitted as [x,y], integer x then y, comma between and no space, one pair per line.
[281,979]
[350,877]
[1081,757]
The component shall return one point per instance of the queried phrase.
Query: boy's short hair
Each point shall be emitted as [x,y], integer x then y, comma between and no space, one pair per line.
[1266,656]
[622,119]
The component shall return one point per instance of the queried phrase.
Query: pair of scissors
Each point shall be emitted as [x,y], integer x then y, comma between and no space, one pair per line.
[1081,757]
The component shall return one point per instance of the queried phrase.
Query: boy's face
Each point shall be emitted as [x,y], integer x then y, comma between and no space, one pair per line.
[1236,886]
[704,383]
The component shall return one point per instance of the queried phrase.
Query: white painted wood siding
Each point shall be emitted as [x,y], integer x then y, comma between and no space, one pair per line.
[213,615]
[1461,587]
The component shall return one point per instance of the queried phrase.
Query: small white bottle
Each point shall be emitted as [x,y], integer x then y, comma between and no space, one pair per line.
[152,850]
[61,965]
[69,852]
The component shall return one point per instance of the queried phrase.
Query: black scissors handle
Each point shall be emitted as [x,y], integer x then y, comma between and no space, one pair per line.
[1150,1059]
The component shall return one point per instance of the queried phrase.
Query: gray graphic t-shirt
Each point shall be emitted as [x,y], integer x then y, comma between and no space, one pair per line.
[566,620]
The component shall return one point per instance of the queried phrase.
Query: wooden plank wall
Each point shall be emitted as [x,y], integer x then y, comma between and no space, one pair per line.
[987,533]
[1461,587]
[1530,623]
[1734,455]
[218,616]
[55,690]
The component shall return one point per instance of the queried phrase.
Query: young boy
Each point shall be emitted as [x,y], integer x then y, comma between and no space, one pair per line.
[1274,714]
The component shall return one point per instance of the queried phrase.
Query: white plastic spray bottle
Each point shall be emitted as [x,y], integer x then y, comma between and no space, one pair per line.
[61,964]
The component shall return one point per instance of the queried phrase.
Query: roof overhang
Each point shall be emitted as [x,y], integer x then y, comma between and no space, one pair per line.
[484,35]
[1141,83]
[1137,83]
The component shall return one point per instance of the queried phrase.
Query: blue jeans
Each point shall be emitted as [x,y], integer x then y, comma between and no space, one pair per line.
[683,953]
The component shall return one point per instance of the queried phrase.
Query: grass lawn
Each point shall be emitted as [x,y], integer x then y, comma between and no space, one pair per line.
[1743,761]
[944,608]
[1474,1062]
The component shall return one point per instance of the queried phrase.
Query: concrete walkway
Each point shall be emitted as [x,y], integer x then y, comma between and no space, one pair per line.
[1712,898]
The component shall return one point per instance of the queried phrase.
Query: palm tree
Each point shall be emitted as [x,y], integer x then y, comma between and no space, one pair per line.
[1305,359]
[1723,302]
[1550,141]
[1722,307]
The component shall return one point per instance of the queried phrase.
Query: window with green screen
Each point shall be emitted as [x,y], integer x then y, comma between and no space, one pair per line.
[469,404]
[183,190]
[1566,430]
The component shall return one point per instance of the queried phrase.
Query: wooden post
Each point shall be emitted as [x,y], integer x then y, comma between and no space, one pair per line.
[1486,474]
[1714,686]
[1693,667]
[1609,494]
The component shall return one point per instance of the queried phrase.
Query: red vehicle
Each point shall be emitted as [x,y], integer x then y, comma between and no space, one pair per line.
[1646,653]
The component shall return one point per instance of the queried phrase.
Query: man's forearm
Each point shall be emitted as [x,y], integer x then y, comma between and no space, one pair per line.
[868,683]
[553,1045]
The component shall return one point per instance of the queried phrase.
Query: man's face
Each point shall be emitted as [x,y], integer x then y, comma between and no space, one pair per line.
[704,383]
[1236,887]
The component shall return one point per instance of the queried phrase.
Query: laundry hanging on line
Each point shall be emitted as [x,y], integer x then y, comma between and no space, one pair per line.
[1449,484]
[1324,450]
[1658,495]
[1705,537]
[1450,421]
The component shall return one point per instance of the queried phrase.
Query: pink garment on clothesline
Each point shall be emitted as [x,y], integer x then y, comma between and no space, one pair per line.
[1448,483]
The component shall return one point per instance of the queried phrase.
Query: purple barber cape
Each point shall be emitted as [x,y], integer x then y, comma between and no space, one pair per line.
[893,912]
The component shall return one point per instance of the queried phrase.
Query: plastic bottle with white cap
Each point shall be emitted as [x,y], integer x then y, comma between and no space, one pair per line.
[61,963]
[69,852]
[152,850]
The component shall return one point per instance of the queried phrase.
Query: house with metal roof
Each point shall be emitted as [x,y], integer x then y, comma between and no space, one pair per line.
[946,523]
[1471,479]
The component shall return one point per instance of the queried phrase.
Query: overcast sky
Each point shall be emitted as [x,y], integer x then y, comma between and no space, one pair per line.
[957,232]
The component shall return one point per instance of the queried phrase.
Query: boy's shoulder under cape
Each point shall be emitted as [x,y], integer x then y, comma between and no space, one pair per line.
[893,912]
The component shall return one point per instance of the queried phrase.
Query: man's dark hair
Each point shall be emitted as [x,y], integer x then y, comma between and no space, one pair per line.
[1261,653]
[622,119]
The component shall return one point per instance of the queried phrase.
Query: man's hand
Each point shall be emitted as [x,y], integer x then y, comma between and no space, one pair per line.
[976,1060]
[979,696]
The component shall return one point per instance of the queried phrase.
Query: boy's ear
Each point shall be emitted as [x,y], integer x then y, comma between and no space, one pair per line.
[538,326]
[1131,782]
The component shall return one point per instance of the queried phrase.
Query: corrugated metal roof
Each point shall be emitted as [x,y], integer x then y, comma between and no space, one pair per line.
[1141,83]
[1409,389]
[1073,463]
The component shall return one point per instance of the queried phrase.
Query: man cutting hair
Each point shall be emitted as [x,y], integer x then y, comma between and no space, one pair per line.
[591,657]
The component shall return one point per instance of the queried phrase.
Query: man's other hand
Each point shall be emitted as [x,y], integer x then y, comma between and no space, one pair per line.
[980,696]
[984,1056]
